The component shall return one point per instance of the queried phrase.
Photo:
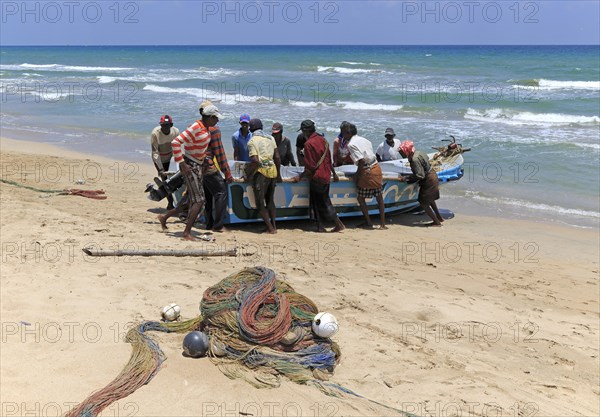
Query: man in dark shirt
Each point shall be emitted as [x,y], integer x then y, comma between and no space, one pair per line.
[300,141]
[283,145]
[318,169]
[429,190]
[241,138]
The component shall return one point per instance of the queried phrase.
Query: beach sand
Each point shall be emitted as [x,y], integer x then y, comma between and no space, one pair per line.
[484,316]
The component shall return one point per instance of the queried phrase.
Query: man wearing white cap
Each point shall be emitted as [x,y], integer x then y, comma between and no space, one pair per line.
[215,187]
[195,140]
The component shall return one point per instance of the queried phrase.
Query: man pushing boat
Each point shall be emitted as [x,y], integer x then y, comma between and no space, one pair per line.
[429,190]
[318,168]
[369,177]
[195,140]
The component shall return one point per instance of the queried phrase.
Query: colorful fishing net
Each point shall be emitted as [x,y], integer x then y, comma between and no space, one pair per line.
[259,330]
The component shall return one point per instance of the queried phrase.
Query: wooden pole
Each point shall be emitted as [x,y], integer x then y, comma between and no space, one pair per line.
[159,252]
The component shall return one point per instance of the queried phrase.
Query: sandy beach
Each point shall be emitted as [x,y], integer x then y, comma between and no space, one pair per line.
[482,317]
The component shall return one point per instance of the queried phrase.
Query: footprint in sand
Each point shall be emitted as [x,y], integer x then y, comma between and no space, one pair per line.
[428,315]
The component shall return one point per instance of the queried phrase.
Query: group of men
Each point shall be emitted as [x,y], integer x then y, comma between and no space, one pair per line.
[244,134]
[350,148]
[206,172]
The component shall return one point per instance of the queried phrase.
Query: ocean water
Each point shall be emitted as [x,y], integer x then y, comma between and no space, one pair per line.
[531,114]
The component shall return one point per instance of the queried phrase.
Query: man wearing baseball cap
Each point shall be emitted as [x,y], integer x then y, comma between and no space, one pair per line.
[215,187]
[160,141]
[388,149]
[241,138]
[195,141]
[318,168]
[283,145]
[264,172]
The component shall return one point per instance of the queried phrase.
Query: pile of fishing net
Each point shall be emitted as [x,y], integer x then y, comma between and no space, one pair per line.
[259,329]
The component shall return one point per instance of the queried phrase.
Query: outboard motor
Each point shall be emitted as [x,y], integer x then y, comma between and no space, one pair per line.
[164,188]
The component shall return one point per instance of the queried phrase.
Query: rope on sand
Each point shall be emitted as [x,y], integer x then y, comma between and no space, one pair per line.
[144,362]
[95,194]
[259,330]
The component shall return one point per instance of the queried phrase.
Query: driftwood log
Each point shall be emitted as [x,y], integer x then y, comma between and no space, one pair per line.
[159,252]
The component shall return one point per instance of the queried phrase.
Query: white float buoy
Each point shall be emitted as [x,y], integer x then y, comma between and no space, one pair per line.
[325,325]
[171,312]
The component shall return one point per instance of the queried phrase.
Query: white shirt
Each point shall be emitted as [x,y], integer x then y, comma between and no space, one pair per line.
[361,148]
[387,152]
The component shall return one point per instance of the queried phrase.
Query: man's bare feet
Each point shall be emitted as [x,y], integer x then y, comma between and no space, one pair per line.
[383,227]
[433,224]
[163,222]
[189,238]
[337,229]
[221,230]
[441,219]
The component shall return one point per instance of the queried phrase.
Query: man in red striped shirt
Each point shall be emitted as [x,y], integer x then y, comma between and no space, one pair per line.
[215,188]
[195,140]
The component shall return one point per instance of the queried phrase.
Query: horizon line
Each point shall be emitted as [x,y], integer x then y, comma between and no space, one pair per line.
[312,45]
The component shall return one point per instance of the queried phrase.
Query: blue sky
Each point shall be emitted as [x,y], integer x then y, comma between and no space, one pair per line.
[347,22]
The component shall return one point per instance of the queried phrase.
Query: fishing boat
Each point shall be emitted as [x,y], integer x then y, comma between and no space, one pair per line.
[292,198]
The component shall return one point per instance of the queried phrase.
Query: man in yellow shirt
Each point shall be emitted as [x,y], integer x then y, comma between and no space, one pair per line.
[264,172]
